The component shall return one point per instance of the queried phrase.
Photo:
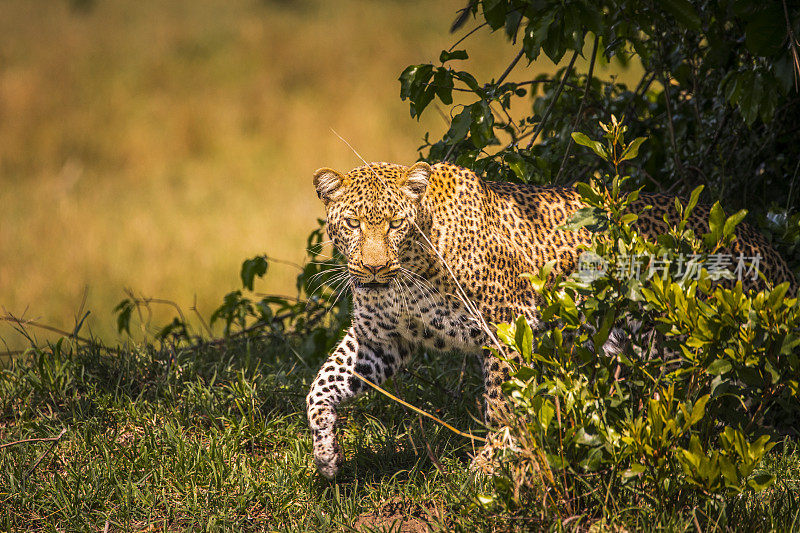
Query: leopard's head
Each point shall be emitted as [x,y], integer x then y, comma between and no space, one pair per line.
[372,216]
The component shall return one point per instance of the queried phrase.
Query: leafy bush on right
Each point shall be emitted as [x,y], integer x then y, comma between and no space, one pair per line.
[704,384]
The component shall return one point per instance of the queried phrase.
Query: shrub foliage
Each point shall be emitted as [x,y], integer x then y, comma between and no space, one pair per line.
[705,385]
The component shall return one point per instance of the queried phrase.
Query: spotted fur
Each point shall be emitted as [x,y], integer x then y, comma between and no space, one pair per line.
[422,244]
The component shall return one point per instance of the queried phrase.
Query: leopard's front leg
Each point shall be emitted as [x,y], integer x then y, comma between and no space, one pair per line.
[336,382]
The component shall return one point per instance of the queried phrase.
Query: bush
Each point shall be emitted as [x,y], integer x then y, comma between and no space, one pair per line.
[713,86]
[680,417]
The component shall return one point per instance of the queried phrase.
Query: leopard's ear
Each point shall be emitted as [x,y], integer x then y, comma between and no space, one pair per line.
[328,183]
[415,180]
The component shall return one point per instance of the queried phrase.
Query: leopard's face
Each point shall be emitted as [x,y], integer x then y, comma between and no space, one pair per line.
[372,216]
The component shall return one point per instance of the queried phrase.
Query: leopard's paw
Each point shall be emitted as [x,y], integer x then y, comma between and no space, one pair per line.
[327,456]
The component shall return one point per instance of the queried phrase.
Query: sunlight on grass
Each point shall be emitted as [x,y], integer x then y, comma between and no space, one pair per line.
[156,145]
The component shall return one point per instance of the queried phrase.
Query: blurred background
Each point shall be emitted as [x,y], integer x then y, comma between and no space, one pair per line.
[156,145]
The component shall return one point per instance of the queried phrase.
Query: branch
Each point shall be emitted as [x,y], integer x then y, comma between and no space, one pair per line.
[467,35]
[580,108]
[508,70]
[793,44]
[20,322]
[46,452]
[678,163]
[540,127]
[24,441]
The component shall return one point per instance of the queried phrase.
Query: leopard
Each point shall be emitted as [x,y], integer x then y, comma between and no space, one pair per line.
[435,253]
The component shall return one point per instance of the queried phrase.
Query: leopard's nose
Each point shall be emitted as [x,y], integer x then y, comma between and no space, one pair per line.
[373,269]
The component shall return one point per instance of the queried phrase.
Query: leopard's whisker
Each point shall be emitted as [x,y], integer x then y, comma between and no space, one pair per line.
[330,283]
[399,293]
[347,285]
[425,291]
[337,270]
[335,275]
[419,279]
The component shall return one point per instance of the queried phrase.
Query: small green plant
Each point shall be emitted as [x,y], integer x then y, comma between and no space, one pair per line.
[679,415]
[315,317]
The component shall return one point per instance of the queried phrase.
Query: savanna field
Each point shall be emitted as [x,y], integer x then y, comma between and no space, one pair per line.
[148,148]
[155,146]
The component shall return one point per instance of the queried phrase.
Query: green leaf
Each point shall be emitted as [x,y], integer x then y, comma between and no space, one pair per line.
[555,44]
[536,34]
[633,471]
[124,310]
[546,414]
[761,481]
[750,97]
[517,164]
[468,80]
[414,86]
[481,129]
[716,221]
[455,54]
[587,193]
[719,367]
[692,201]
[732,222]
[506,333]
[251,268]
[684,13]
[632,150]
[775,299]
[523,338]
[459,127]
[408,77]
[585,216]
[766,31]
[699,409]
[587,439]
[596,146]
[443,85]
[494,11]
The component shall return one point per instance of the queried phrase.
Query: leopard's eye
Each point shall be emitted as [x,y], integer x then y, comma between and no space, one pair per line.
[396,223]
[353,222]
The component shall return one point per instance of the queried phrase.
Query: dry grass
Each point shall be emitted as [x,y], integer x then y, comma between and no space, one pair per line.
[155,145]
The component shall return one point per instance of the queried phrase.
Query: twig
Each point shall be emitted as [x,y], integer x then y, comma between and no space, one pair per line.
[9,353]
[45,453]
[284,262]
[25,441]
[200,317]
[163,301]
[508,70]
[541,124]
[467,35]
[54,440]
[643,85]
[413,408]
[678,163]
[658,185]
[431,456]
[791,186]
[580,108]
[793,43]
[21,322]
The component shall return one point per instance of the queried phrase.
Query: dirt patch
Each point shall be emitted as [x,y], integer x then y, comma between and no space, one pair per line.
[401,516]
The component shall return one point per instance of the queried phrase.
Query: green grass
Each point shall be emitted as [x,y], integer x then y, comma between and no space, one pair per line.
[214,438]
